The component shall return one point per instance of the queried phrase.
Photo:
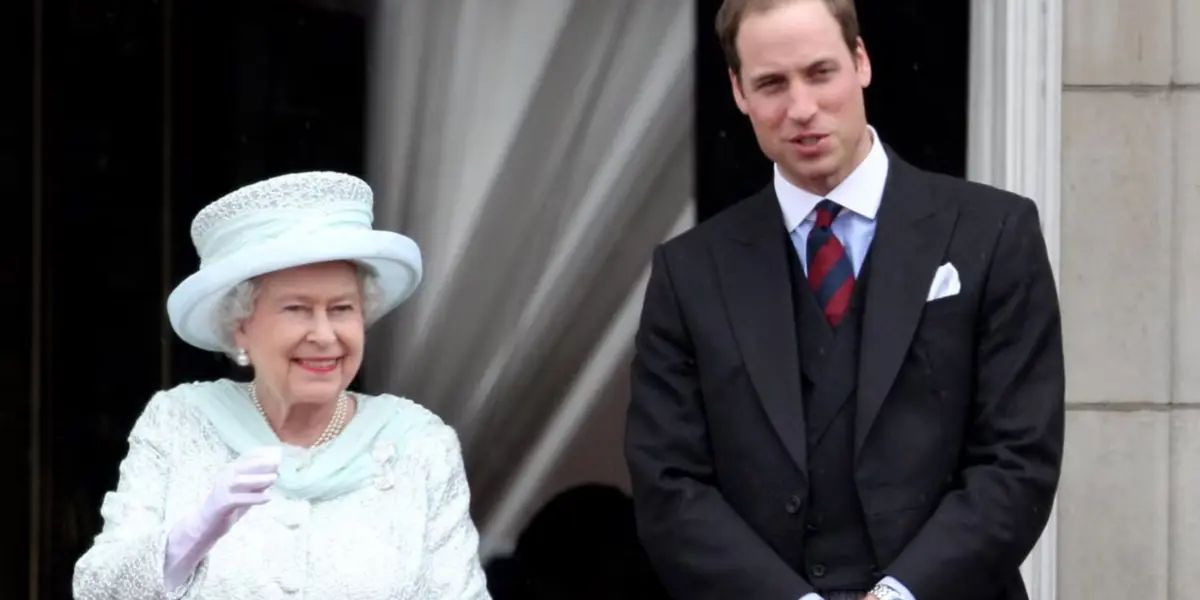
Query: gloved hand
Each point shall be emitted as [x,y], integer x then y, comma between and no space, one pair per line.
[242,484]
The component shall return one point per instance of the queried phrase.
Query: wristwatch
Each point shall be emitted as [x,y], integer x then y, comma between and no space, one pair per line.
[884,592]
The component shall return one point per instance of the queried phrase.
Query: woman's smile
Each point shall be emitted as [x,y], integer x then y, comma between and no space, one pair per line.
[319,366]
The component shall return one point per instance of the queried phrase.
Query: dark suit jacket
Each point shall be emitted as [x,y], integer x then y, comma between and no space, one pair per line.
[959,425]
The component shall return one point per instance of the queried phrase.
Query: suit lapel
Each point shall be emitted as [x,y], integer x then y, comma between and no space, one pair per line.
[753,272]
[910,239]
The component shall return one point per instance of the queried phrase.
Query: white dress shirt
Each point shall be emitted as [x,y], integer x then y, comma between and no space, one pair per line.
[859,194]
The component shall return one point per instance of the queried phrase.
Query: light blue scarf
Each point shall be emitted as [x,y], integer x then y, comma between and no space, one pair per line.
[362,453]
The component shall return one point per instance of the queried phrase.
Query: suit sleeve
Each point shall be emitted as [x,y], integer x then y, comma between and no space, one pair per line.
[700,547]
[1012,455]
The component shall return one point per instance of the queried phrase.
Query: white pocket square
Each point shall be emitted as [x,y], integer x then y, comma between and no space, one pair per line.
[945,283]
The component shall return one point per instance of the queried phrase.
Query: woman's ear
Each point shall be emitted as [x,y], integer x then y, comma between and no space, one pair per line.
[240,339]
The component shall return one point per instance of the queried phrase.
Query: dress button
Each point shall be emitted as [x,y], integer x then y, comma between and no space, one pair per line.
[818,570]
[294,513]
[290,517]
[793,505]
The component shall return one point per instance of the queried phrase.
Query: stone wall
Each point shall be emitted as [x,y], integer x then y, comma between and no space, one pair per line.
[1129,507]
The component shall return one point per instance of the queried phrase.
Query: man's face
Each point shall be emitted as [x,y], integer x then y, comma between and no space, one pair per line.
[803,91]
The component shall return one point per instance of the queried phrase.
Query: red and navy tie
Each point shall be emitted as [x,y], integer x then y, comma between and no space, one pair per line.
[830,272]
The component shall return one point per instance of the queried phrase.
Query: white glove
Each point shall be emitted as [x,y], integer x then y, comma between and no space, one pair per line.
[242,484]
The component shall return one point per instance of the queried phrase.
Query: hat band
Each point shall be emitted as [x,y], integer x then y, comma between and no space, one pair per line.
[265,227]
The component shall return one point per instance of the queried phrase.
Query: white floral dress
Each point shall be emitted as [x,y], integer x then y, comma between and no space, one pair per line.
[404,534]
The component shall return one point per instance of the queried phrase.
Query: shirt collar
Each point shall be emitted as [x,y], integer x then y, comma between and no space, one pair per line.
[859,193]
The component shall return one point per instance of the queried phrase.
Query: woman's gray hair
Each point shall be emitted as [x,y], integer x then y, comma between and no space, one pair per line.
[238,304]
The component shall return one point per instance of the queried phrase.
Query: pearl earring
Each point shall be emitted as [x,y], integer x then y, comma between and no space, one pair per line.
[242,359]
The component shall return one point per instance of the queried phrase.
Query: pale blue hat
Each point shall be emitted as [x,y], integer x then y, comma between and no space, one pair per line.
[284,222]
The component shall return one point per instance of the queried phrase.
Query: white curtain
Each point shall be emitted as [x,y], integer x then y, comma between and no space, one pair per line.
[536,150]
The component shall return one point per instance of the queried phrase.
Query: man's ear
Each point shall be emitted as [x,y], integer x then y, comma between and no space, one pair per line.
[862,63]
[739,95]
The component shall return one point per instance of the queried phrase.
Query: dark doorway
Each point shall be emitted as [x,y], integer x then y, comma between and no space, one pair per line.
[16,297]
[917,99]
[128,118]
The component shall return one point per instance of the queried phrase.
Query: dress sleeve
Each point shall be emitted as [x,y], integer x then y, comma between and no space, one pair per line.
[126,559]
[453,570]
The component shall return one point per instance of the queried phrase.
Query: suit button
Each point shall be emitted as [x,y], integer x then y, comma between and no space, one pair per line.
[818,570]
[793,505]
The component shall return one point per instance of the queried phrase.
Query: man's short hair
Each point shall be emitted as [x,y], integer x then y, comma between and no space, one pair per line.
[733,12]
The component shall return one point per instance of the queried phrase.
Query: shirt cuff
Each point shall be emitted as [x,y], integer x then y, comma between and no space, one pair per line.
[896,585]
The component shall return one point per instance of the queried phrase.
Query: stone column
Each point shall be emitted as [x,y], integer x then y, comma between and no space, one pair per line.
[1129,520]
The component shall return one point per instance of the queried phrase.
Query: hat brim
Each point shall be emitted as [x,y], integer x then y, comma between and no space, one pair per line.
[193,304]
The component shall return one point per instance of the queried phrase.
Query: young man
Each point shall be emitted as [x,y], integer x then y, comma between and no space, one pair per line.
[850,384]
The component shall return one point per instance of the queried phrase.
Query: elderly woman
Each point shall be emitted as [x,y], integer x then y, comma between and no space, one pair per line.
[290,485]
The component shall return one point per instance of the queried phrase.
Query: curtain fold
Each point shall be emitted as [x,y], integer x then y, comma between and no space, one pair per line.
[537,151]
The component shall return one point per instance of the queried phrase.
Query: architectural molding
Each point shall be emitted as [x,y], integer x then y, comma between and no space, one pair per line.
[1014,138]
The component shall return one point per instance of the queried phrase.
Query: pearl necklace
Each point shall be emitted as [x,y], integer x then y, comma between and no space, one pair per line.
[336,423]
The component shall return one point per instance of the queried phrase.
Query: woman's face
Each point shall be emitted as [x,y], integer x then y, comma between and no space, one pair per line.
[305,335]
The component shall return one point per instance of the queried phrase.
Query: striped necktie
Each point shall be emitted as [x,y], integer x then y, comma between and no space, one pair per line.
[829,270]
